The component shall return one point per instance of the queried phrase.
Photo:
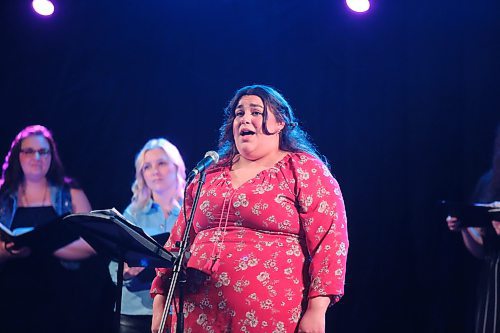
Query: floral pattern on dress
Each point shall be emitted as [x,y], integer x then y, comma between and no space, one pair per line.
[254,244]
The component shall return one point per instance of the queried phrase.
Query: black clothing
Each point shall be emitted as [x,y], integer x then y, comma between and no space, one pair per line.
[488,302]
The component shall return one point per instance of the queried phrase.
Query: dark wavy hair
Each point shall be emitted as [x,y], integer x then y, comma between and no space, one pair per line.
[292,137]
[12,173]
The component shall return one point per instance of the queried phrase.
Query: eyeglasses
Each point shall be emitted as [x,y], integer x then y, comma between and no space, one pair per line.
[31,152]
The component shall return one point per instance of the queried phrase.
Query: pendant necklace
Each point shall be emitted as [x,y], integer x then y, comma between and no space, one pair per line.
[25,197]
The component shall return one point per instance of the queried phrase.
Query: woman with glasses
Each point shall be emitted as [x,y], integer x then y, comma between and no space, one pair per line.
[158,190]
[37,288]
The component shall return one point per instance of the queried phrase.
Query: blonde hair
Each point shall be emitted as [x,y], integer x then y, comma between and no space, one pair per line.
[141,192]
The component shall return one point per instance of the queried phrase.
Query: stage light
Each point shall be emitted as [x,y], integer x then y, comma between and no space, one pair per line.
[43,7]
[358,6]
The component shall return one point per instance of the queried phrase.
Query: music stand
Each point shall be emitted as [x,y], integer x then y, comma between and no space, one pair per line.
[113,236]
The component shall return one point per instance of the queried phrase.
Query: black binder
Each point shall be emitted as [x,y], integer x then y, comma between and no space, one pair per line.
[47,238]
[472,215]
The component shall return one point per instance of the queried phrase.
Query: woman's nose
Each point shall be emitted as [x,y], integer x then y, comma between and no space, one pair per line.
[245,119]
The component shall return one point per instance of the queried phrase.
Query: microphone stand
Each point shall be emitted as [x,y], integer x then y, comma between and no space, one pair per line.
[183,245]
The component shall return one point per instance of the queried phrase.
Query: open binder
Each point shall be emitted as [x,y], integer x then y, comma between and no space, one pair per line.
[473,215]
[47,238]
[113,236]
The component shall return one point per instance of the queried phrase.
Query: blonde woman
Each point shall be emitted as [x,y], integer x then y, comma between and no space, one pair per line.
[156,201]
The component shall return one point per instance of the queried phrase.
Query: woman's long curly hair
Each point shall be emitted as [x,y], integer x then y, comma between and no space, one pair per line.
[292,137]
[12,173]
[141,192]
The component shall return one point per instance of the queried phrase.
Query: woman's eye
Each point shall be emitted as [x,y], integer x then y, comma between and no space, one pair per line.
[256,113]
[146,167]
[239,113]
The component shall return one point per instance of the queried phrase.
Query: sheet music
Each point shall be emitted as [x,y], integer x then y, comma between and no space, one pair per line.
[494,204]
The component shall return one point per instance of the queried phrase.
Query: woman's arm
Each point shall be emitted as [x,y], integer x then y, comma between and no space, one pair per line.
[496,226]
[80,201]
[78,249]
[472,237]
[313,320]
[473,241]
[324,221]
[158,307]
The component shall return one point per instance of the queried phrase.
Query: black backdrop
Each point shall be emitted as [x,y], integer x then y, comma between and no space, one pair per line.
[403,101]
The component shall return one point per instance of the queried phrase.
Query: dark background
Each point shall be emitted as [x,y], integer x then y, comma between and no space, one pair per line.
[403,101]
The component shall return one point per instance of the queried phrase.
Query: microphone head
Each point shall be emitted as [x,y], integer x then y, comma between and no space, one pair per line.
[213,154]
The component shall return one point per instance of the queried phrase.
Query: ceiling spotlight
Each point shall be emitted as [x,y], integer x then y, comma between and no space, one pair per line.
[358,6]
[43,7]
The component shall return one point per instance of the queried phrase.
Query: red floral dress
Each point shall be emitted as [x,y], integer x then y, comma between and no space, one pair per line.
[266,247]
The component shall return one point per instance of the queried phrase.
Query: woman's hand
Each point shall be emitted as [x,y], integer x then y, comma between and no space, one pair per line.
[454,224]
[158,306]
[496,226]
[7,251]
[313,320]
[131,272]
[77,250]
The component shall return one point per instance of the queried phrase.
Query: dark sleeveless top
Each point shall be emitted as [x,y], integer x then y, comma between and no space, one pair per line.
[38,293]
[33,216]
[33,280]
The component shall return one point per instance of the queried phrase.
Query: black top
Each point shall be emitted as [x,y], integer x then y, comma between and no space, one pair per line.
[39,294]
[33,216]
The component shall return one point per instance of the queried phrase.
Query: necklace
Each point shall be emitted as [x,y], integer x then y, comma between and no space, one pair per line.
[25,197]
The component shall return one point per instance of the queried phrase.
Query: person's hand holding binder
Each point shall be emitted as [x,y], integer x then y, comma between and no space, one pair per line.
[454,223]
[9,251]
[131,272]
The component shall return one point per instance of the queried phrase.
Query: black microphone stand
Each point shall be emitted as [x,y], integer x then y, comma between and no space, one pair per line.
[178,266]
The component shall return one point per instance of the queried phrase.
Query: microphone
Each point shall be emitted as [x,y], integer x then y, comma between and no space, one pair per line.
[210,158]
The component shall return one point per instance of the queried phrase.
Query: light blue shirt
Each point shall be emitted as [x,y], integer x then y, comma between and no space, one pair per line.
[135,293]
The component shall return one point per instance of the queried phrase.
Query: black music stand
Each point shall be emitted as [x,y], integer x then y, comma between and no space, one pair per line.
[113,236]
